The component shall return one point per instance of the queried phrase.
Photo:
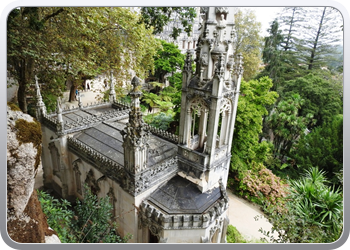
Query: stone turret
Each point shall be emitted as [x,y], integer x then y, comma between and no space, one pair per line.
[112,97]
[40,105]
[209,101]
[135,136]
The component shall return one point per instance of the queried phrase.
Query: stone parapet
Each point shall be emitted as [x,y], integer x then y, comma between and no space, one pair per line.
[79,124]
[163,134]
[105,165]
[150,215]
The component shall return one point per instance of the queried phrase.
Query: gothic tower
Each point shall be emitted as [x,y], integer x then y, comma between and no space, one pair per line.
[209,101]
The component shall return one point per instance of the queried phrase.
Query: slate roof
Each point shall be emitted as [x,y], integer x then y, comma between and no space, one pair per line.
[180,196]
[106,139]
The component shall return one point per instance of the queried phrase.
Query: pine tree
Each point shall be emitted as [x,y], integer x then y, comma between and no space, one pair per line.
[272,54]
[320,33]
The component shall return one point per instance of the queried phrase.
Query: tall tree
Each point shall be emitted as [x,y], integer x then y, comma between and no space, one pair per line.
[248,42]
[322,95]
[287,125]
[272,54]
[255,96]
[290,21]
[320,33]
[168,60]
[27,46]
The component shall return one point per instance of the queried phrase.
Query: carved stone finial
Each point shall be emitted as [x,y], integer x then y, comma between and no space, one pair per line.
[135,82]
[188,61]
[58,106]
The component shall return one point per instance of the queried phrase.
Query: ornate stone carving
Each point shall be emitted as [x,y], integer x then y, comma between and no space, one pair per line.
[221,10]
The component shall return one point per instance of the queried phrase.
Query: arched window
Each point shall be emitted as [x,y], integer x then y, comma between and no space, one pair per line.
[55,158]
[224,122]
[112,200]
[77,175]
[197,117]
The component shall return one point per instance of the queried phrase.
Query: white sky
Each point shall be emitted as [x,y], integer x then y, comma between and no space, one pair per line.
[265,15]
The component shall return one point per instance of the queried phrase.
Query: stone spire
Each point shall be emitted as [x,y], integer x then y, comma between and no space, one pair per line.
[209,101]
[80,103]
[135,134]
[59,114]
[40,105]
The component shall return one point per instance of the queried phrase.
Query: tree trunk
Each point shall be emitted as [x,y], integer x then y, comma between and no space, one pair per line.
[313,52]
[22,96]
[25,69]
[72,98]
[290,31]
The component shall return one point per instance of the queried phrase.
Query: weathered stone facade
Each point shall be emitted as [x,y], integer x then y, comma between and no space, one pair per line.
[163,187]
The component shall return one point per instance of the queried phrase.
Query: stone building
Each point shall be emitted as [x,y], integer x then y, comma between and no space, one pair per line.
[184,41]
[163,187]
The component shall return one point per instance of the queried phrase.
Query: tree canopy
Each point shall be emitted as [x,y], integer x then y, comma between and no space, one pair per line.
[158,17]
[248,41]
[77,43]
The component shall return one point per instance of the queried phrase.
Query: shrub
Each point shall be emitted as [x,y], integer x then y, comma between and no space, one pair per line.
[314,212]
[260,185]
[93,221]
[58,215]
[233,235]
[160,120]
[90,222]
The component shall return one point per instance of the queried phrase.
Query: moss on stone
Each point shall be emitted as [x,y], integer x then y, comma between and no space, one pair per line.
[13,106]
[30,132]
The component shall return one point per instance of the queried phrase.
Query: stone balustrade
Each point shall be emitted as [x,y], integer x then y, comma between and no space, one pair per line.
[163,134]
[85,122]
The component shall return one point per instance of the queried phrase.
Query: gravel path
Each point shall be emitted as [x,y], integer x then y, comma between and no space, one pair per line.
[242,213]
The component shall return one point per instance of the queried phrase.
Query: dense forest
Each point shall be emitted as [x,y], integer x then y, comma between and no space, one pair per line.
[287,153]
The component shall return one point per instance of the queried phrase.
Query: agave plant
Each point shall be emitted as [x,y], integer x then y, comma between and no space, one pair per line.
[318,203]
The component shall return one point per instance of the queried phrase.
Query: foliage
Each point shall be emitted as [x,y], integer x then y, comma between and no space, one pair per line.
[93,221]
[161,120]
[158,17]
[323,147]
[234,236]
[30,132]
[287,125]
[260,185]
[167,60]
[314,212]
[321,30]
[76,43]
[321,92]
[248,41]
[13,106]
[89,222]
[255,95]
[58,215]
[174,91]
[272,55]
